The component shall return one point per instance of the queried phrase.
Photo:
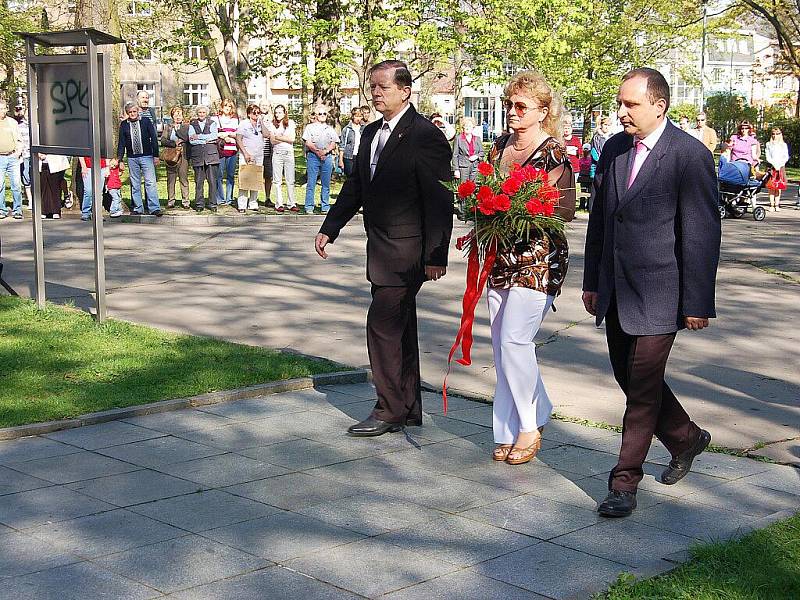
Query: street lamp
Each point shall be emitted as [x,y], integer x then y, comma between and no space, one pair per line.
[703,60]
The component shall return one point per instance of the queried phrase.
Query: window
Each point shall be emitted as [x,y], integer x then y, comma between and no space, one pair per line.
[253,98]
[509,68]
[294,103]
[738,75]
[140,8]
[150,88]
[716,76]
[345,105]
[195,52]
[195,93]
[780,83]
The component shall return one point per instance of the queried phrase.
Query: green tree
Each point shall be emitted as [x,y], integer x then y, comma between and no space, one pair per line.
[783,16]
[12,49]
[726,110]
[685,109]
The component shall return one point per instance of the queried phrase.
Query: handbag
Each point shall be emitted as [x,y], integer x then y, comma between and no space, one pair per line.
[172,156]
[777,181]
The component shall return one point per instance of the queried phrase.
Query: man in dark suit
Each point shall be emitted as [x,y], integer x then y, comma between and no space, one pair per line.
[408,216]
[652,249]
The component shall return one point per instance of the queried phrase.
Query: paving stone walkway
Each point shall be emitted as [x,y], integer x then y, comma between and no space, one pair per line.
[268,498]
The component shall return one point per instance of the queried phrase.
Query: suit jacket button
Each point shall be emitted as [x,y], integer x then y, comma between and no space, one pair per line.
[619,218]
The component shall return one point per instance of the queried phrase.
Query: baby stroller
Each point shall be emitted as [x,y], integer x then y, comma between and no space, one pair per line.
[738,191]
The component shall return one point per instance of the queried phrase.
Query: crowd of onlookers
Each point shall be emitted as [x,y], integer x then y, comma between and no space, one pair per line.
[260,149]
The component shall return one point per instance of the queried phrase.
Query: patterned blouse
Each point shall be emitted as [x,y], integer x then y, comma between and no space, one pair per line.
[539,263]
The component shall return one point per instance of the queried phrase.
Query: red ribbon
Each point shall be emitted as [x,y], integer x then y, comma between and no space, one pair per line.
[476,282]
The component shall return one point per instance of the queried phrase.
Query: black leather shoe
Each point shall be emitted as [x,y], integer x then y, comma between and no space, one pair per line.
[617,504]
[680,465]
[372,427]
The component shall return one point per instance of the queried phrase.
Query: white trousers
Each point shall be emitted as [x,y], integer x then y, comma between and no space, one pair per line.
[283,168]
[520,401]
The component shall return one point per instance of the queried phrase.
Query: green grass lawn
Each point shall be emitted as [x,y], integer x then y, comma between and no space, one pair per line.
[58,363]
[764,565]
[793,174]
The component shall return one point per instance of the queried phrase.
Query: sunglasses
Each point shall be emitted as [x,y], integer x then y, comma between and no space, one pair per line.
[321,114]
[521,109]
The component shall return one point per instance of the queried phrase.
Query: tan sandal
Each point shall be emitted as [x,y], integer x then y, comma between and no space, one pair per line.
[501,452]
[525,455]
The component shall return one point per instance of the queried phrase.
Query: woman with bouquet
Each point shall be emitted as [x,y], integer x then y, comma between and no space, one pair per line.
[530,254]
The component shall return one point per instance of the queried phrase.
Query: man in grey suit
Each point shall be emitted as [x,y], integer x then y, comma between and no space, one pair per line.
[652,249]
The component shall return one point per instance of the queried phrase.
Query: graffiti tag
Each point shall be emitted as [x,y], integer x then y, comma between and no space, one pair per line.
[70,100]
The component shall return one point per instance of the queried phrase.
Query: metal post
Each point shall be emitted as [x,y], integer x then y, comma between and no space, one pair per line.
[97,183]
[36,192]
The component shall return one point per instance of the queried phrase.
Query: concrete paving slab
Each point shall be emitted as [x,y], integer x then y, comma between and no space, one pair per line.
[181,563]
[262,407]
[24,554]
[480,415]
[625,541]
[222,470]
[74,467]
[77,581]
[134,488]
[93,437]
[706,523]
[204,510]
[535,516]
[296,490]
[588,492]
[32,448]
[463,584]
[275,583]
[25,510]
[723,465]
[578,460]
[160,451]
[370,514]
[371,567]
[283,536]
[300,454]
[180,420]
[553,571]
[747,499]
[447,493]
[438,428]
[781,478]
[238,436]
[365,391]
[691,483]
[12,481]
[94,536]
[462,542]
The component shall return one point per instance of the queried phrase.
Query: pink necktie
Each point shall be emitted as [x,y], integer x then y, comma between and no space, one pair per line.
[641,154]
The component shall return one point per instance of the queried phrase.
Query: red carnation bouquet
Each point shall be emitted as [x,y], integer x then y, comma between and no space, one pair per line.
[504,211]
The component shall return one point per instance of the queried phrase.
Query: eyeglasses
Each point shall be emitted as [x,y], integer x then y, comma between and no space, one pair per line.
[520,108]
[699,119]
[321,114]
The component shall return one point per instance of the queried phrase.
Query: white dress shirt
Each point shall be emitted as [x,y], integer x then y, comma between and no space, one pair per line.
[392,124]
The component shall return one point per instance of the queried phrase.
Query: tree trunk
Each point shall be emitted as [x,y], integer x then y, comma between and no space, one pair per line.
[104,16]
[797,100]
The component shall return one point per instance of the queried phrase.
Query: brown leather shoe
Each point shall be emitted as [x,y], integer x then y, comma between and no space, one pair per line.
[501,452]
[524,455]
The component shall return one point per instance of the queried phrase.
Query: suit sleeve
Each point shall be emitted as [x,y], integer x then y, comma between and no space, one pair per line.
[700,235]
[432,168]
[349,200]
[595,233]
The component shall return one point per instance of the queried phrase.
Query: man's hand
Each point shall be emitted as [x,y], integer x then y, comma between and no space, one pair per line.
[590,302]
[695,323]
[155,161]
[319,244]
[434,273]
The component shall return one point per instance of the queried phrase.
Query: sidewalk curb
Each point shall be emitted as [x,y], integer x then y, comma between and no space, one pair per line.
[291,219]
[253,391]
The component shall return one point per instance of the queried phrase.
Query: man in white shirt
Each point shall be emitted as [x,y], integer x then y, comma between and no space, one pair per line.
[11,147]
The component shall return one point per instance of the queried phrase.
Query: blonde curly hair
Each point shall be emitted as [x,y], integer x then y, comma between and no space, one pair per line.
[533,85]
